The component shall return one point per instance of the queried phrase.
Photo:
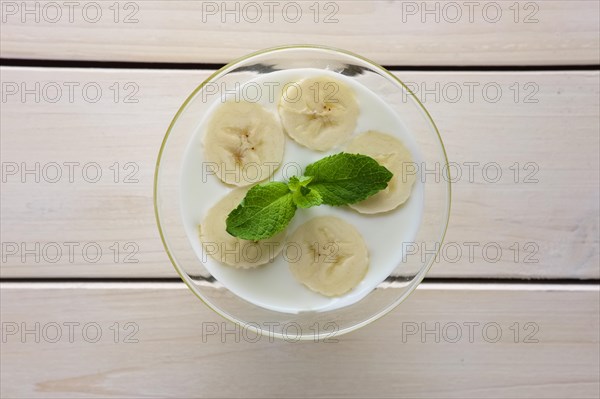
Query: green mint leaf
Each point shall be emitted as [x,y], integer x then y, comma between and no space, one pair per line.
[306,198]
[296,182]
[343,178]
[265,211]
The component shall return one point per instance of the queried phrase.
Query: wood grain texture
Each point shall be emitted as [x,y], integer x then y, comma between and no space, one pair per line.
[176,358]
[389,32]
[553,222]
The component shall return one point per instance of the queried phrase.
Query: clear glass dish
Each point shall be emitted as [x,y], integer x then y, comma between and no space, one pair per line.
[419,254]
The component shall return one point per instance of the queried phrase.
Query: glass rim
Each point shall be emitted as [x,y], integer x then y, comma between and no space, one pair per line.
[184,276]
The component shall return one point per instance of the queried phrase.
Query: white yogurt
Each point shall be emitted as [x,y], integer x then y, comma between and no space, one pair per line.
[272,286]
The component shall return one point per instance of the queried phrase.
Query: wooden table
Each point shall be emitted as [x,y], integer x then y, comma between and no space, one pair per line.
[90,87]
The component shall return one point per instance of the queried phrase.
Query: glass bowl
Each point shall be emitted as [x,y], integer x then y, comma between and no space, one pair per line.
[418,255]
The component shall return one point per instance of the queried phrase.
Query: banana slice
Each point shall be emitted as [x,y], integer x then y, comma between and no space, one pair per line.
[391,153]
[231,250]
[332,255]
[318,113]
[244,143]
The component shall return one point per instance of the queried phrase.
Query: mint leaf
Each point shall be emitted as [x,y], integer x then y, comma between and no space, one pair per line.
[343,178]
[265,211]
[306,198]
[296,182]
[303,196]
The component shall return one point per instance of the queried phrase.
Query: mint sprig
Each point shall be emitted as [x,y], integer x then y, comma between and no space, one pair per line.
[336,180]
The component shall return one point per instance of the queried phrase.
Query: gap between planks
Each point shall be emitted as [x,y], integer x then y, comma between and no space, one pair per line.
[181,66]
[181,286]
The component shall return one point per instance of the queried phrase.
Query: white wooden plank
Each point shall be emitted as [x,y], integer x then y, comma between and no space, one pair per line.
[553,122]
[390,32]
[175,357]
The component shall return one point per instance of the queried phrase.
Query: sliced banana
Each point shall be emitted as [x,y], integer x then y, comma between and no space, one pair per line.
[318,113]
[391,153]
[332,255]
[228,249]
[244,143]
